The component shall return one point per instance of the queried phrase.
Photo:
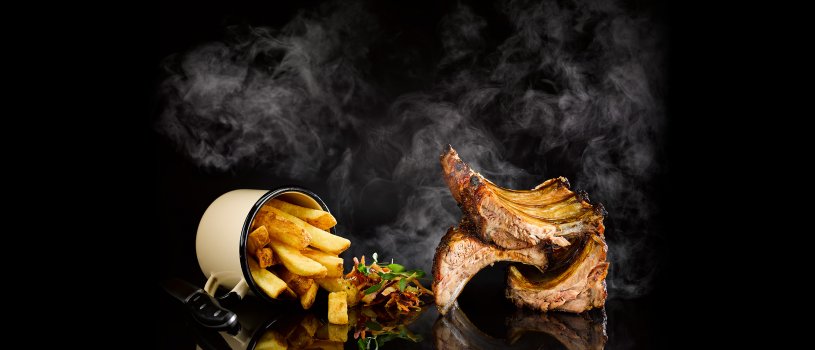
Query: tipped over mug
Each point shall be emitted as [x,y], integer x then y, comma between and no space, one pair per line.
[220,243]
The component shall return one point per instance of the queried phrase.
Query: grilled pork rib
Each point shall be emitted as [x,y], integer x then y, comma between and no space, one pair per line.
[460,255]
[577,287]
[519,219]
[500,224]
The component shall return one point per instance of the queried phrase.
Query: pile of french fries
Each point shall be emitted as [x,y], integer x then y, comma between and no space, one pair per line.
[293,254]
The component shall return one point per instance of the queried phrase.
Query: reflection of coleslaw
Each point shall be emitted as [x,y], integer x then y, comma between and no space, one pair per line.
[380,338]
[399,289]
[375,326]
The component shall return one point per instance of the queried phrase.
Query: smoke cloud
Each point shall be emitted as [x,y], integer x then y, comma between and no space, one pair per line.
[573,88]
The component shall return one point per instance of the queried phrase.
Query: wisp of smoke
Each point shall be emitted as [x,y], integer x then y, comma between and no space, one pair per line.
[574,90]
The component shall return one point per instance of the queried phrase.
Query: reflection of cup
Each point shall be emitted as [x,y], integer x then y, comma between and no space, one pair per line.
[221,240]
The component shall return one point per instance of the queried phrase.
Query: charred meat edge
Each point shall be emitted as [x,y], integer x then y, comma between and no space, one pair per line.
[519,219]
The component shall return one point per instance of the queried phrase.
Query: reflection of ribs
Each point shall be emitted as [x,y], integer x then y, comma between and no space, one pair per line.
[549,227]
[455,331]
[586,331]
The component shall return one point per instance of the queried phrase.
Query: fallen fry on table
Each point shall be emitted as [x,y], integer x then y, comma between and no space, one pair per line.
[337,308]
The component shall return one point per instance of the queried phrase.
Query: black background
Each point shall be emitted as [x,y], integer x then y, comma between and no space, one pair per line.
[182,191]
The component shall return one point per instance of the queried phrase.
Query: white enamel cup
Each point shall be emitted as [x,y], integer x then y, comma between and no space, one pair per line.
[221,240]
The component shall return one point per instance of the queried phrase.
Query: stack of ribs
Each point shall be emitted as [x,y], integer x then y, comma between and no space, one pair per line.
[555,232]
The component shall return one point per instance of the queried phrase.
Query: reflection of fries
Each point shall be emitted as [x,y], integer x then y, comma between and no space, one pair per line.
[266,280]
[318,218]
[283,227]
[300,338]
[353,315]
[310,323]
[271,340]
[259,238]
[307,298]
[338,332]
[333,264]
[322,332]
[296,262]
[326,345]
[337,308]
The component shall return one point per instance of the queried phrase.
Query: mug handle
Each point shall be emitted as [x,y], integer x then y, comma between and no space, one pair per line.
[238,292]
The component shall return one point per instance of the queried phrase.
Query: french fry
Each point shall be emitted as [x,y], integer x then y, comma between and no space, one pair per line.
[325,345]
[265,257]
[352,293]
[271,340]
[337,308]
[307,298]
[299,284]
[259,238]
[338,332]
[283,227]
[317,238]
[332,284]
[333,264]
[318,218]
[296,262]
[340,285]
[327,242]
[267,281]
